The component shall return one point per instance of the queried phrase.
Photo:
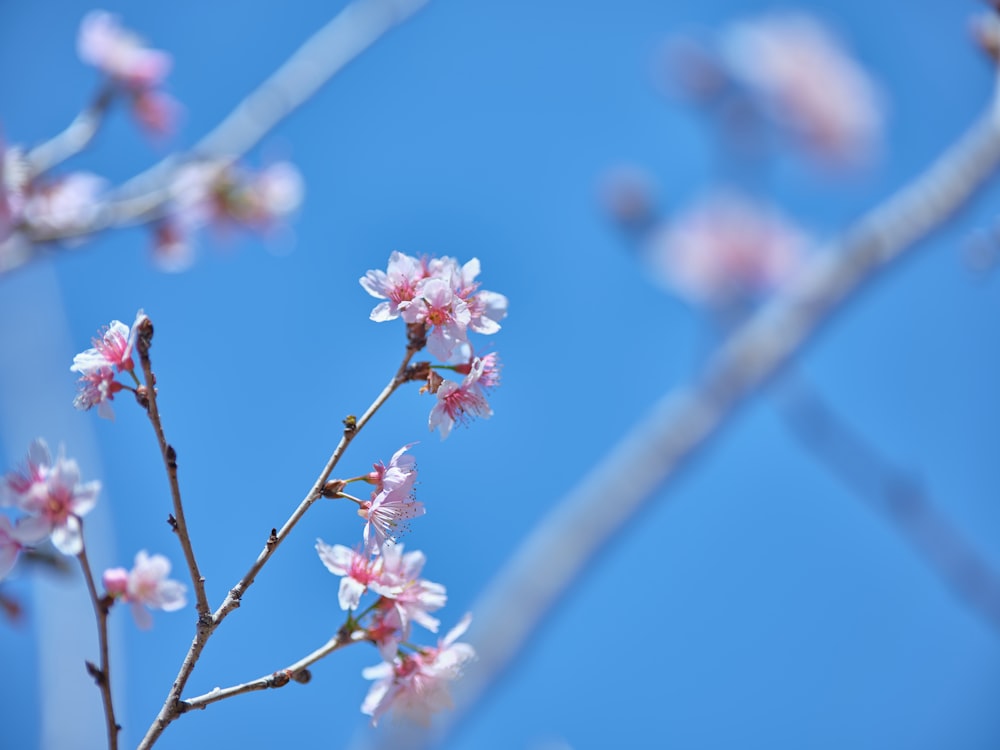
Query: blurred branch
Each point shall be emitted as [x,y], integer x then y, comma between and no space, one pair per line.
[102,674]
[74,139]
[898,496]
[685,420]
[145,197]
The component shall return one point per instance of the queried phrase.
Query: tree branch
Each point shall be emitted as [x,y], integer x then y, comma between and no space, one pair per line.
[683,421]
[102,675]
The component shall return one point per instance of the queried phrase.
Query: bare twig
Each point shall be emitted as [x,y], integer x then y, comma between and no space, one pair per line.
[173,706]
[683,421]
[899,497]
[179,523]
[297,672]
[102,674]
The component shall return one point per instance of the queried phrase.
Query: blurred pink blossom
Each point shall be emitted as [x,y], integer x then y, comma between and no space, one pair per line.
[53,496]
[146,585]
[807,81]
[65,204]
[725,249]
[120,54]
[358,570]
[415,686]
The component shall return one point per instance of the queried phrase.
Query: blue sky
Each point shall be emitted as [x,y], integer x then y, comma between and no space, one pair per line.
[757,603]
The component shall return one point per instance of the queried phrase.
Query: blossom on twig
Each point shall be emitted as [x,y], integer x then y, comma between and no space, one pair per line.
[53,497]
[460,402]
[111,352]
[145,586]
[415,686]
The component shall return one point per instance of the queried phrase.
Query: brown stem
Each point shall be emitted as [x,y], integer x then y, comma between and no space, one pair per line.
[143,342]
[102,675]
[296,672]
[173,706]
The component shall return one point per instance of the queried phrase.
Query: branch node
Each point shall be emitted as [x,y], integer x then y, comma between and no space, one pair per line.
[171,457]
[172,522]
[95,672]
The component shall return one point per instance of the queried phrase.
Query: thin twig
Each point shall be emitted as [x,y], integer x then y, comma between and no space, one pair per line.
[679,425]
[172,706]
[102,675]
[297,672]
[898,496]
[178,522]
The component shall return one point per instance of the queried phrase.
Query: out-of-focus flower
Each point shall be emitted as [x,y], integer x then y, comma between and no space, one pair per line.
[53,496]
[63,205]
[146,585]
[628,196]
[726,249]
[120,54]
[97,388]
[14,537]
[222,196]
[415,686]
[807,82]
[13,180]
[460,402]
[132,66]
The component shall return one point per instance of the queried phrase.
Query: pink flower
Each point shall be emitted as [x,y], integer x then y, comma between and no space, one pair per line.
[119,53]
[486,309]
[65,204]
[415,686]
[359,571]
[443,311]
[400,475]
[412,596]
[726,248]
[807,82]
[54,497]
[156,111]
[13,539]
[17,485]
[385,517]
[397,284]
[457,403]
[146,585]
[112,350]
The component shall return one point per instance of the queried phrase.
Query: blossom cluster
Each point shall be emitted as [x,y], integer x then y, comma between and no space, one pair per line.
[413,682]
[132,69]
[222,196]
[110,354]
[443,301]
[795,71]
[49,501]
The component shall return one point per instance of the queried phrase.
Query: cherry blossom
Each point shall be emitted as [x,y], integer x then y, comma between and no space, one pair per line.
[359,571]
[458,403]
[120,54]
[397,284]
[443,311]
[807,82]
[413,597]
[385,516]
[415,686]
[54,498]
[146,586]
[725,249]
[14,537]
[400,475]
[112,349]
[64,204]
